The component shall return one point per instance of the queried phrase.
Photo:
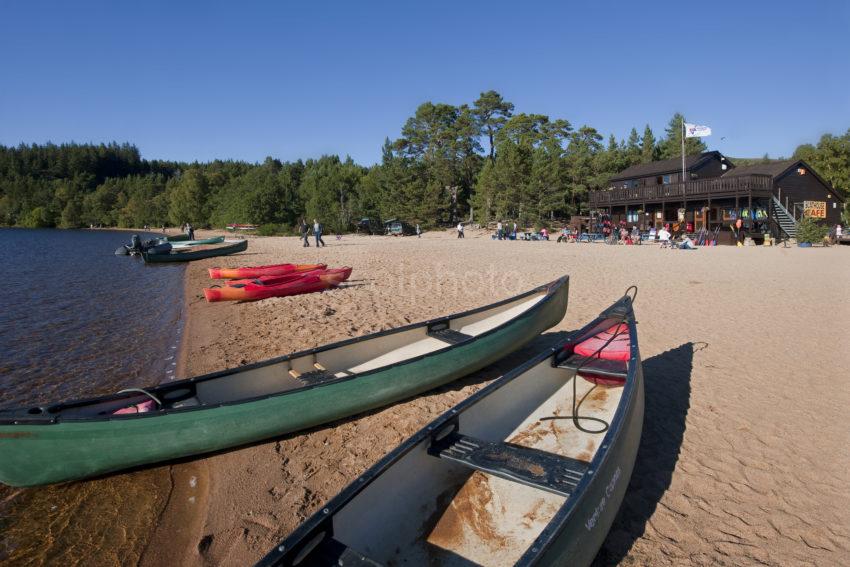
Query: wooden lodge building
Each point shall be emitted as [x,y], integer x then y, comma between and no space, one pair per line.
[769,197]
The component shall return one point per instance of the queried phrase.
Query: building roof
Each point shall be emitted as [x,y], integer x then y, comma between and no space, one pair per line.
[779,168]
[671,165]
[772,168]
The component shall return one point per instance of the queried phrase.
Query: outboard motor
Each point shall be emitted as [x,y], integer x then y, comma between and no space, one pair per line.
[134,247]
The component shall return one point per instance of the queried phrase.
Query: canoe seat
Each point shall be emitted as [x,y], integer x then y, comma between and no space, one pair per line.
[532,467]
[315,377]
[596,366]
[329,552]
[449,335]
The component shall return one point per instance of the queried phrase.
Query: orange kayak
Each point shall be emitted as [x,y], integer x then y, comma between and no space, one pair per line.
[277,280]
[306,283]
[258,271]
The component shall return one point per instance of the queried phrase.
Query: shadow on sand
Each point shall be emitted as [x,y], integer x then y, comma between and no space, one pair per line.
[667,384]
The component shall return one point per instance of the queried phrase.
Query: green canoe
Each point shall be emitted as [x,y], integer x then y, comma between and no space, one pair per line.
[233,407]
[530,470]
[189,255]
[186,243]
[178,238]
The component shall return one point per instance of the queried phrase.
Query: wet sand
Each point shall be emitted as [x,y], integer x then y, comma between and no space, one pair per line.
[743,458]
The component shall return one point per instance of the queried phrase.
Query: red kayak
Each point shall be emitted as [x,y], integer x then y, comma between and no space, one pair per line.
[259,271]
[277,280]
[304,284]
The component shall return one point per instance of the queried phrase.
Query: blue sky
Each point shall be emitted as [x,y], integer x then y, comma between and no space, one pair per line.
[243,80]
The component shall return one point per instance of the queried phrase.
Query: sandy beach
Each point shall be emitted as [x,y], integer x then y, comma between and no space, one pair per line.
[743,458]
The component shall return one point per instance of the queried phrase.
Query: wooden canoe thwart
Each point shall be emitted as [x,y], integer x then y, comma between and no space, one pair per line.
[530,470]
[78,439]
[194,253]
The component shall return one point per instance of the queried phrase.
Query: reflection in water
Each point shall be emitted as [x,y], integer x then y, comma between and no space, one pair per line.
[82,322]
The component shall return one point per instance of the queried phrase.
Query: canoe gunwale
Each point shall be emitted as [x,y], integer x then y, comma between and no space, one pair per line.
[322,522]
[49,414]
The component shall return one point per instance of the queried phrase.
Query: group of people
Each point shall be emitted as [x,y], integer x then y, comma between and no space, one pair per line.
[317,232]
[505,233]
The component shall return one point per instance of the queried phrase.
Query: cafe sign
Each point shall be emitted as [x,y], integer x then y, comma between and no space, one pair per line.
[814,209]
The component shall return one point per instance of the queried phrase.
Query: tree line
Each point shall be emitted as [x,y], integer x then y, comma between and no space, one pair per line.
[479,161]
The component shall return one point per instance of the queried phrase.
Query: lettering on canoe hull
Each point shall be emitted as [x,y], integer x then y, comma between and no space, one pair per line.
[600,507]
[16,434]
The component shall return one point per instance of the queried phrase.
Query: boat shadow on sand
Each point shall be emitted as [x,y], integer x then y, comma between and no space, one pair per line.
[667,386]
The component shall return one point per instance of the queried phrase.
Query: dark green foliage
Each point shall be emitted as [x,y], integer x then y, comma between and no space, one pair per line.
[810,230]
[831,159]
[534,169]
[491,112]
[648,147]
[272,229]
[329,189]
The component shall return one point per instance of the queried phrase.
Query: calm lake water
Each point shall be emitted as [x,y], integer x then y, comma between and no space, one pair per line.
[78,321]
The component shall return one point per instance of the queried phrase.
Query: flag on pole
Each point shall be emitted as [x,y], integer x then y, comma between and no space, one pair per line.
[696,130]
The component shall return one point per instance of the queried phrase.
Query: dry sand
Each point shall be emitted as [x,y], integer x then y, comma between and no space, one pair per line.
[744,454]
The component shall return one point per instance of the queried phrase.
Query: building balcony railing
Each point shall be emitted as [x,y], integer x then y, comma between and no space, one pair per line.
[699,189]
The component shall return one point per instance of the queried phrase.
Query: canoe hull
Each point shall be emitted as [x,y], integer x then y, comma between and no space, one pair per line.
[68,450]
[583,530]
[257,271]
[240,246]
[414,508]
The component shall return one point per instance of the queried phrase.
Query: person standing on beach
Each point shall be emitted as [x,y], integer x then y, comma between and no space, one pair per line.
[499,230]
[418,231]
[460,230]
[305,231]
[317,232]
[739,231]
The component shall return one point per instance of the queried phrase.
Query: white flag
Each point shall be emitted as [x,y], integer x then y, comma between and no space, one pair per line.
[696,130]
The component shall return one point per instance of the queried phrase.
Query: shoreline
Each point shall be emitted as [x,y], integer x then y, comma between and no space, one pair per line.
[181,518]
[698,439]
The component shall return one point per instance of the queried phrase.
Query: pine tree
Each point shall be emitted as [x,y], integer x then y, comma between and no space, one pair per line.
[491,112]
[648,149]
[671,145]
[633,148]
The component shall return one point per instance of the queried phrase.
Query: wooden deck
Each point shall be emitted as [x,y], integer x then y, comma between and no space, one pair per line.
[715,188]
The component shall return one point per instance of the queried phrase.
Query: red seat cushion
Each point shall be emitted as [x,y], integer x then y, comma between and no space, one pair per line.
[617,349]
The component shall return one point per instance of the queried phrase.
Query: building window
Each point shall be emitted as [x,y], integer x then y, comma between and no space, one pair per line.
[801,171]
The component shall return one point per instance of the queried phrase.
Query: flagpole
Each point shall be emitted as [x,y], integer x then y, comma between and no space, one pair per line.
[683,149]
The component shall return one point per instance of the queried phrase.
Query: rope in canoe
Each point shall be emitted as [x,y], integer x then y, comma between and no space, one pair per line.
[575,417]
